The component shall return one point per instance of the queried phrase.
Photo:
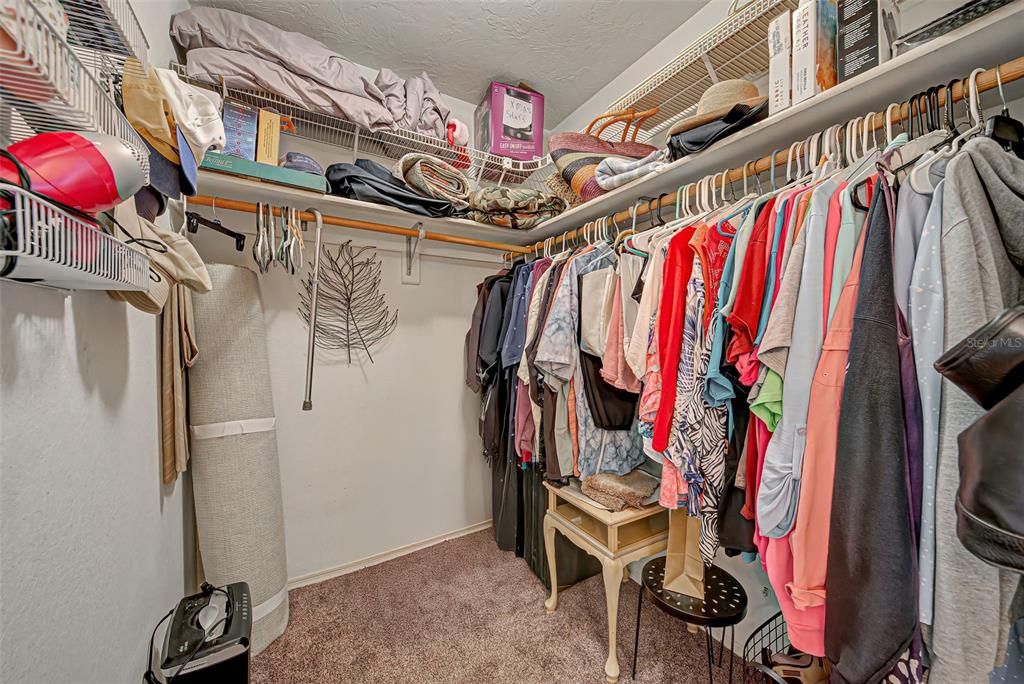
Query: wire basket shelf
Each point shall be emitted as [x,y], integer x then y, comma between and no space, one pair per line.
[736,48]
[771,636]
[43,245]
[330,129]
[46,85]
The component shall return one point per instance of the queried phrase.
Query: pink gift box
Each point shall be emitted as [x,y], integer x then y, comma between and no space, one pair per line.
[509,122]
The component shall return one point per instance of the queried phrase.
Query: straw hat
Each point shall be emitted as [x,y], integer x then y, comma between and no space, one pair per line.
[718,100]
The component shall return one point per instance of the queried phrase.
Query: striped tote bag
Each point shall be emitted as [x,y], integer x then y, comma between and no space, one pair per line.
[576,155]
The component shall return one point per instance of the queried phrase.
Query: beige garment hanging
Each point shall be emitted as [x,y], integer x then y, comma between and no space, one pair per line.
[178,351]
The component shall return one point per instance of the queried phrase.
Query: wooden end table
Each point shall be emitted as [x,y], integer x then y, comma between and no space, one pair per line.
[614,538]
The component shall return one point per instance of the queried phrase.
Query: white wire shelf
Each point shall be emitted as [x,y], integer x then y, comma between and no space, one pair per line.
[736,48]
[45,86]
[44,245]
[987,41]
[485,168]
[109,27]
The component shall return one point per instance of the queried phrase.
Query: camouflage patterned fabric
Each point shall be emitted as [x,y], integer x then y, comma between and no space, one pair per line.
[518,208]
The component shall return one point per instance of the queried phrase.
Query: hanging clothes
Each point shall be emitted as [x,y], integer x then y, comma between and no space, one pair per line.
[870,623]
[775,355]
[982,247]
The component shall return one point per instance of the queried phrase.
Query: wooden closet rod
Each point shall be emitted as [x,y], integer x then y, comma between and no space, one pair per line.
[1008,72]
[250,208]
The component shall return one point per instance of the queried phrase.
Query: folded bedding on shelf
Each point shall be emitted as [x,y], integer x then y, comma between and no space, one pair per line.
[252,54]
[415,103]
[209,27]
[246,72]
[618,491]
[613,172]
[433,178]
[519,208]
[368,181]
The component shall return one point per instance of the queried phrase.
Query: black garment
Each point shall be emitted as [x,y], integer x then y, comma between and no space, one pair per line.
[699,138]
[989,366]
[507,519]
[489,353]
[990,521]
[472,347]
[612,408]
[574,564]
[735,532]
[871,607]
[368,181]
[505,481]
[638,286]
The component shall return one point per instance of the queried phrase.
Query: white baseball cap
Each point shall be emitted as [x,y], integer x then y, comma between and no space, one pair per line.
[196,114]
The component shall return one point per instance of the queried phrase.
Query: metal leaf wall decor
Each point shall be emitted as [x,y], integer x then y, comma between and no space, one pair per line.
[351,309]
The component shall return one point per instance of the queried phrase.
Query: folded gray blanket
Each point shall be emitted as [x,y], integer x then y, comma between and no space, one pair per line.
[248,53]
[618,491]
[433,177]
[613,172]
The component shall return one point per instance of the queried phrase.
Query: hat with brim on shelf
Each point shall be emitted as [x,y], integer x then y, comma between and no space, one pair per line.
[717,101]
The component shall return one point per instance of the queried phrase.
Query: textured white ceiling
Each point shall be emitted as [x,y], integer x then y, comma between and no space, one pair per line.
[566,49]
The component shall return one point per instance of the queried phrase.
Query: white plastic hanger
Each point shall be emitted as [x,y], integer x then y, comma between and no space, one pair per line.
[888,122]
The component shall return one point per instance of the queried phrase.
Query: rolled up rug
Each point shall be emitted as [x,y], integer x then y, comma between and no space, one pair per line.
[235,474]
[519,208]
[433,178]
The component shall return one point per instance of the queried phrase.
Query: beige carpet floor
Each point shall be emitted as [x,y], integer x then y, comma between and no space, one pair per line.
[463,612]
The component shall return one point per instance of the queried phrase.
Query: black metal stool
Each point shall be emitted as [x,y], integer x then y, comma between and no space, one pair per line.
[724,605]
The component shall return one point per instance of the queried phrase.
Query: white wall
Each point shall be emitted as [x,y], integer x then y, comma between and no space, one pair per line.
[91,543]
[390,455]
[94,549]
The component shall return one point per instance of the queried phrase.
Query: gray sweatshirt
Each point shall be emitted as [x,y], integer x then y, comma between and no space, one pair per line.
[982,262]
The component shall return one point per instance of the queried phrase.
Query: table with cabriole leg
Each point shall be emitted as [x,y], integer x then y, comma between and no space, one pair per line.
[614,538]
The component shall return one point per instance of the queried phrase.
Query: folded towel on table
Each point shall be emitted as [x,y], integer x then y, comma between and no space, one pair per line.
[519,208]
[618,491]
[615,171]
[433,178]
